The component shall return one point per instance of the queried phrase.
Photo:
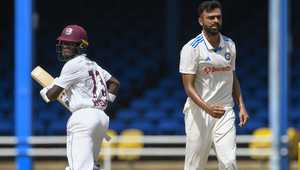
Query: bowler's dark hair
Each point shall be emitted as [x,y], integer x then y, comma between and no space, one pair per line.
[208,6]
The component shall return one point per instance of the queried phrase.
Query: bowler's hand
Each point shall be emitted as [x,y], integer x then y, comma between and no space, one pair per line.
[243,117]
[216,111]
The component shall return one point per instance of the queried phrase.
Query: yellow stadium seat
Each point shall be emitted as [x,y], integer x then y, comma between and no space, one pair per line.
[266,132]
[105,144]
[298,155]
[261,132]
[130,139]
[293,143]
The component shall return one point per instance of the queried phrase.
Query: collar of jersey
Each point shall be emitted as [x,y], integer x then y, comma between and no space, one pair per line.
[81,55]
[210,47]
[78,56]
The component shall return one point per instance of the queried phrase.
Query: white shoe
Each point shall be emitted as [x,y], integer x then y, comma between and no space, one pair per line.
[95,168]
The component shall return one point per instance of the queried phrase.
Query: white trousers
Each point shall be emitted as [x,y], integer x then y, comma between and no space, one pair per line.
[86,129]
[204,132]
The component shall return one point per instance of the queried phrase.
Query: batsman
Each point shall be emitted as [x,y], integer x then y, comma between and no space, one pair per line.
[87,88]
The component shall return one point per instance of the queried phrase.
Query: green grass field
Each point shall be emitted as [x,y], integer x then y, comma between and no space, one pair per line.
[143,165]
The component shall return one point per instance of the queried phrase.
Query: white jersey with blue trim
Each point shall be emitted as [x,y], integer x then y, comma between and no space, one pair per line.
[213,68]
[85,83]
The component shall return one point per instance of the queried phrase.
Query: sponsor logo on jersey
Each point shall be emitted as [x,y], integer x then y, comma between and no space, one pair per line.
[208,70]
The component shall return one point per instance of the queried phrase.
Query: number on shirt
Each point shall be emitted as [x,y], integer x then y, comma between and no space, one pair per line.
[95,75]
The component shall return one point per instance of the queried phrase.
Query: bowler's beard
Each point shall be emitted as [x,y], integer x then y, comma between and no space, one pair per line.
[212,31]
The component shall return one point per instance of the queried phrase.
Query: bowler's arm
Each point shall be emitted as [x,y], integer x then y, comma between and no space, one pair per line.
[236,92]
[237,95]
[188,83]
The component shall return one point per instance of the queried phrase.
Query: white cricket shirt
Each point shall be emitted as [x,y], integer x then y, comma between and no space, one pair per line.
[213,68]
[85,83]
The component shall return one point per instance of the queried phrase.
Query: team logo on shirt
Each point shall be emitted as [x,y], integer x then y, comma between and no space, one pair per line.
[227,56]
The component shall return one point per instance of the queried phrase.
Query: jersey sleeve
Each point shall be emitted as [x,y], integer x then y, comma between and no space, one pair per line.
[233,56]
[188,60]
[106,74]
[71,74]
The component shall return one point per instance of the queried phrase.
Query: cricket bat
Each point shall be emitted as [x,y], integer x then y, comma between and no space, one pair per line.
[42,77]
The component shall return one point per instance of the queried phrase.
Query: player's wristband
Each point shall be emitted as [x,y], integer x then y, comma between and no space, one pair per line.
[111,97]
[43,93]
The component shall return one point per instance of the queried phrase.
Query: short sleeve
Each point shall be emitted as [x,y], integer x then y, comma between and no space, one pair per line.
[105,74]
[233,56]
[188,60]
[71,74]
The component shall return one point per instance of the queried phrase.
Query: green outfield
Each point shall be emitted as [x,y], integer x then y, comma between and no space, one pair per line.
[144,165]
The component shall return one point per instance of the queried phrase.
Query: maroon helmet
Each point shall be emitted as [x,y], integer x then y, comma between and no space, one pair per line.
[75,34]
